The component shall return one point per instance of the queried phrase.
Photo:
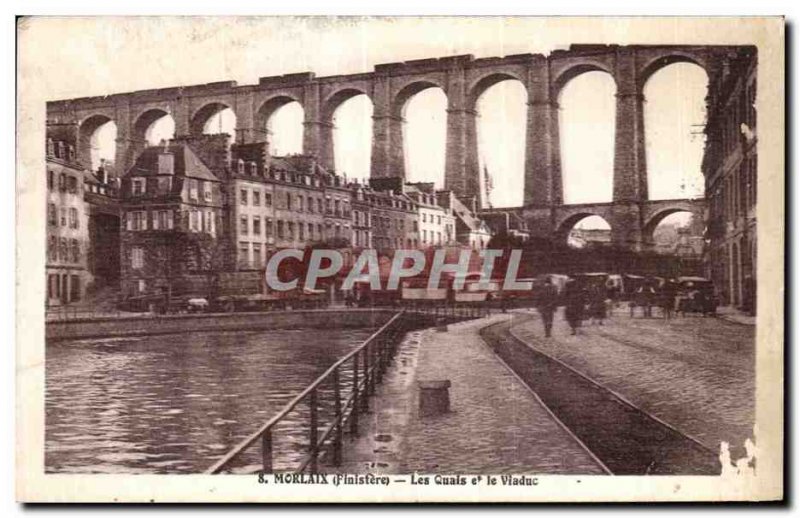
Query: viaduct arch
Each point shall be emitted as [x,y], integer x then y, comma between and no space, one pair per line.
[462,78]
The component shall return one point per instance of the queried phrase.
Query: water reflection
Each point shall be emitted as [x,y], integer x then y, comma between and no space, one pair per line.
[176,403]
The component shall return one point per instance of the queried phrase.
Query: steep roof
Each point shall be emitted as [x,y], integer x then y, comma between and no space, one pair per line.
[187,163]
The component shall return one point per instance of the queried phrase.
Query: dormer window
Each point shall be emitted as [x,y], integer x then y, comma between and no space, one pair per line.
[253,168]
[240,166]
[61,152]
[138,186]
[50,147]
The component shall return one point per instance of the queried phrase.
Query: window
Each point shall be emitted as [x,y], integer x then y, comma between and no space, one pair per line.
[192,189]
[195,221]
[319,231]
[161,221]
[438,220]
[63,213]
[310,231]
[257,198]
[310,204]
[207,191]
[52,214]
[243,227]
[256,225]
[73,217]
[289,200]
[257,255]
[280,229]
[137,257]
[62,182]
[319,205]
[424,218]
[337,209]
[209,221]
[268,227]
[63,249]
[50,179]
[138,187]
[267,199]
[290,229]
[164,185]
[243,196]
[142,285]
[300,203]
[74,250]
[52,248]
[301,231]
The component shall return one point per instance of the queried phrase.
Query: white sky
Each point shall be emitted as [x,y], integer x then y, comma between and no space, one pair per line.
[264,46]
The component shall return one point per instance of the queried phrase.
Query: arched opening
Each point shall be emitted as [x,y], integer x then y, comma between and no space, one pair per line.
[222,122]
[212,119]
[674,120]
[153,126]
[97,141]
[501,125]
[676,232]
[586,130]
[285,129]
[425,135]
[586,230]
[352,137]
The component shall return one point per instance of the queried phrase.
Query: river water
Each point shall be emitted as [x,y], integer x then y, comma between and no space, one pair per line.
[177,403]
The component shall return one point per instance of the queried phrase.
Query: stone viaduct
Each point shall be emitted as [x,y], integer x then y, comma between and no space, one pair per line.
[463,79]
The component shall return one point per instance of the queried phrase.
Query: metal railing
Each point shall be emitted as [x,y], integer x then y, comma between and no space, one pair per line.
[337,398]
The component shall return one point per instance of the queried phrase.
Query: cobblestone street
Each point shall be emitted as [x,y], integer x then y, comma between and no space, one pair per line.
[495,425]
[697,374]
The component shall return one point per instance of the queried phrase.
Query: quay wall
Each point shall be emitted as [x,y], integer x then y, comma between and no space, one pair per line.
[170,324]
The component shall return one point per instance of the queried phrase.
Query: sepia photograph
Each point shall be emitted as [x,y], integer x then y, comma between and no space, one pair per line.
[400,259]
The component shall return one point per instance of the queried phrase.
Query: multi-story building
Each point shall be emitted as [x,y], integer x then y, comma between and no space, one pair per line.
[250,207]
[171,205]
[436,223]
[730,170]
[338,209]
[471,231]
[362,223]
[394,220]
[67,224]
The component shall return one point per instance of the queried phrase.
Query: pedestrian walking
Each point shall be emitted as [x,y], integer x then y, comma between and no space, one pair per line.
[546,304]
[668,294]
[576,305]
[597,305]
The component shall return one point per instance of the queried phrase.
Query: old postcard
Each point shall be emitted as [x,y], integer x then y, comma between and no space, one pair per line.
[351,259]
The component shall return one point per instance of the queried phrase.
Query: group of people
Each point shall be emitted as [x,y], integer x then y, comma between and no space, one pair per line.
[581,302]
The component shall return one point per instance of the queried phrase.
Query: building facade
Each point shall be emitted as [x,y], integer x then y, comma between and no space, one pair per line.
[436,223]
[67,225]
[171,208]
[730,170]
